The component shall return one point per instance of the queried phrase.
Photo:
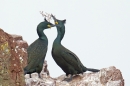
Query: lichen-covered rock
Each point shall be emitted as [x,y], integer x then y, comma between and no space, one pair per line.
[13,57]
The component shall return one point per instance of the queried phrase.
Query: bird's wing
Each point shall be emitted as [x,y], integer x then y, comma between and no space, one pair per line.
[70,58]
[32,47]
[37,51]
[36,57]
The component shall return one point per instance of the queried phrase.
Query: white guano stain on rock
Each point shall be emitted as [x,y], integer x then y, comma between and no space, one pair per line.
[16,50]
[102,78]
[14,64]
[17,46]
[21,59]
[24,50]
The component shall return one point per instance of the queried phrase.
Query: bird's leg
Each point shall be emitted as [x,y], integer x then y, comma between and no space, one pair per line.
[81,75]
[39,75]
[30,76]
[68,79]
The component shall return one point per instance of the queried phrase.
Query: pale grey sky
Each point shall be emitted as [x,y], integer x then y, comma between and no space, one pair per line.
[98,32]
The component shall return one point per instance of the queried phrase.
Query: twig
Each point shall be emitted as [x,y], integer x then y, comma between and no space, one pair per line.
[46,15]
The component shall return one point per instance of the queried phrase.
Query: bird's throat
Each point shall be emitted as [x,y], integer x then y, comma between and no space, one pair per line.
[41,34]
[59,37]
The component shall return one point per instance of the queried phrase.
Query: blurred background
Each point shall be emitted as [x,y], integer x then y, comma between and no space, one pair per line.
[98,32]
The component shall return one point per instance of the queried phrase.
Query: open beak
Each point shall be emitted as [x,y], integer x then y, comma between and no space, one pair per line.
[53,17]
[55,20]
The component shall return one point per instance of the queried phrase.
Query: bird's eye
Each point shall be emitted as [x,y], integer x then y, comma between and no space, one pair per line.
[56,22]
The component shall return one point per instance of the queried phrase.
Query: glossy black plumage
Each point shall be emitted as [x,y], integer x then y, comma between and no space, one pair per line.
[37,50]
[64,58]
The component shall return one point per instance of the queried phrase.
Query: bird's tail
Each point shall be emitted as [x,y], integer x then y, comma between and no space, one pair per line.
[90,69]
[93,70]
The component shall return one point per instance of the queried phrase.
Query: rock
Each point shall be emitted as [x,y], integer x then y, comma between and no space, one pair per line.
[13,57]
[106,77]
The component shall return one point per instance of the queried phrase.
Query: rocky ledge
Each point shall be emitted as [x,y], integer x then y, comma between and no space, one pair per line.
[13,58]
[106,77]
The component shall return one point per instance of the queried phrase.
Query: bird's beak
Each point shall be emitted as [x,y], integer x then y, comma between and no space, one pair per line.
[55,20]
[49,26]
[54,17]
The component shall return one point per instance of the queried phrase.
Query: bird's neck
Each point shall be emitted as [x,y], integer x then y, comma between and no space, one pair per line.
[60,35]
[41,34]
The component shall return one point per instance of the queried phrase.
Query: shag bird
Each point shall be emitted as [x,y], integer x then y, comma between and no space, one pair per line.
[37,50]
[65,59]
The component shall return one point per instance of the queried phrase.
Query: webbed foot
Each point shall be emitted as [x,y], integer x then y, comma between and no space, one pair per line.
[68,79]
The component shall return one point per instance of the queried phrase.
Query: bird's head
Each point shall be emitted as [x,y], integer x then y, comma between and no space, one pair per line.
[59,23]
[45,25]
